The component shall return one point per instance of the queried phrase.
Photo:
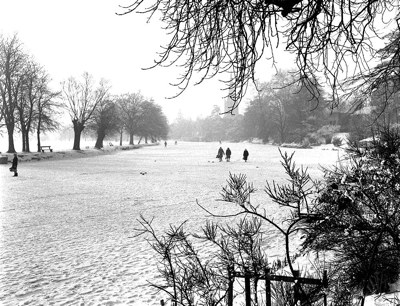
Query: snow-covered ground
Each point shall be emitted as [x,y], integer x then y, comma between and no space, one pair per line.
[67,225]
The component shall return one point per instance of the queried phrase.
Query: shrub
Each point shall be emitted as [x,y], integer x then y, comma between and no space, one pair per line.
[292,145]
[354,215]
[305,143]
[337,141]
[313,139]
[326,132]
[360,204]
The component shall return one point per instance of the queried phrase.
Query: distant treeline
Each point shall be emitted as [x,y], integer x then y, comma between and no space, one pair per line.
[284,112]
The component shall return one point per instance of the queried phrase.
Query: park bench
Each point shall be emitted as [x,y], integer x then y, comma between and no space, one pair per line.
[42,148]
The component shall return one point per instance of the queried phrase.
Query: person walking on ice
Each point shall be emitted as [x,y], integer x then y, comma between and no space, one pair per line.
[228,154]
[220,154]
[245,155]
[14,165]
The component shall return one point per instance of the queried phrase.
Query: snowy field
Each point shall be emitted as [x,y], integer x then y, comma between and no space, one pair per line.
[67,225]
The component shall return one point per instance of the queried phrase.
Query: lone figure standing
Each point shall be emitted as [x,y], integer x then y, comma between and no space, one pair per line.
[245,155]
[228,154]
[14,164]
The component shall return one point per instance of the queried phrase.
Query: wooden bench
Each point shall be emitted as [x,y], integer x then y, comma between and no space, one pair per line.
[42,148]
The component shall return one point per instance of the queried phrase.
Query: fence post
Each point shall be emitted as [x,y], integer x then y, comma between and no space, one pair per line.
[297,296]
[231,279]
[247,287]
[267,288]
[325,284]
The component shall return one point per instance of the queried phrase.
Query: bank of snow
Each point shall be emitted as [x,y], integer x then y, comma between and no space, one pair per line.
[36,156]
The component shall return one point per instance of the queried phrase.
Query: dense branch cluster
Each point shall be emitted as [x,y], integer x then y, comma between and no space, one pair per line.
[211,37]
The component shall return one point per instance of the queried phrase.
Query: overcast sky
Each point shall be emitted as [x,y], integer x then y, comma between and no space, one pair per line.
[69,37]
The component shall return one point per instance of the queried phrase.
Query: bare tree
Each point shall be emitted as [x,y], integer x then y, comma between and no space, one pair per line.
[211,37]
[81,100]
[32,96]
[12,63]
[105,121]
[280,120]
[47,106]
[26,102]
[130,106]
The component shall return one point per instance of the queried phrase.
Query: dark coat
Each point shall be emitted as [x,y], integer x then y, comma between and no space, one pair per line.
[245,154]
[220,153]
[228,152]
[15,162]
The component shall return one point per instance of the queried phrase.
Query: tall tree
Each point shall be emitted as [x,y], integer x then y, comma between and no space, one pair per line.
[184,129]
[130,106]
[152,122]
[26,102]
[47,109]
[105,121]
[211,127]
[35,89]
[81,99]
[283,110]
[12,64]
[258,115]
[300,108]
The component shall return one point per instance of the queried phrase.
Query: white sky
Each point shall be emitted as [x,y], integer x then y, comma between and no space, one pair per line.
[69,37]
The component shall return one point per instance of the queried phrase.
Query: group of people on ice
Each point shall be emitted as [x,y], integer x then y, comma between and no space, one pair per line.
[228,154]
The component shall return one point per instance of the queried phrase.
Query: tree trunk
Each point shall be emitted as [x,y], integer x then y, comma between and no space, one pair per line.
[99,140]
[27,131]
[24,132]
[145,139]
[27,148]
[120,137]
[38,134]
[23,140]
[282,137]
[38,139]
[131,139]
[140,139]
[11,148]
[78,128]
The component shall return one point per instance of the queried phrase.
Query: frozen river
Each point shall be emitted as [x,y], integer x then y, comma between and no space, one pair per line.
[67,225]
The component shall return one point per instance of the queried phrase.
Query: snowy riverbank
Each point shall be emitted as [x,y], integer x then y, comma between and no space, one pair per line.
[88,152]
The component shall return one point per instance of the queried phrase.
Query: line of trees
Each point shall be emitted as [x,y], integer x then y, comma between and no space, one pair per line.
[28,104]
[284,111]
[281,111]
